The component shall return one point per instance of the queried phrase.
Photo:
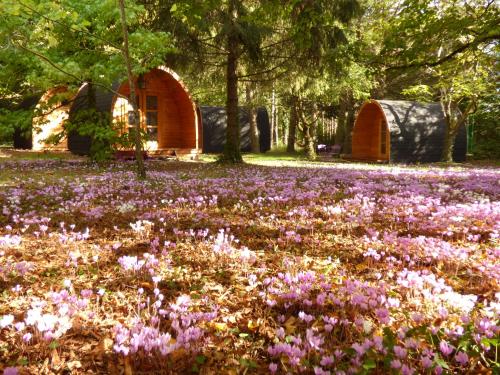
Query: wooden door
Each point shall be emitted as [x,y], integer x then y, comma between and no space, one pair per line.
[151,116]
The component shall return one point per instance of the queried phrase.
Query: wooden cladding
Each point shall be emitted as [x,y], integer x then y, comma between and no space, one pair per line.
[370,138]
[166,111]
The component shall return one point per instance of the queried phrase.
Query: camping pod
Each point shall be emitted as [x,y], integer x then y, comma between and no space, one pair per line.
[403,132]
[167,114]
[51,112]
[214,121]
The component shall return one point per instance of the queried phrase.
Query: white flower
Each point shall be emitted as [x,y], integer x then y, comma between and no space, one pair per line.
[6,320]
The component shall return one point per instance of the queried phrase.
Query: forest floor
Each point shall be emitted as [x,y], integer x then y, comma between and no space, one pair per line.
[275,266]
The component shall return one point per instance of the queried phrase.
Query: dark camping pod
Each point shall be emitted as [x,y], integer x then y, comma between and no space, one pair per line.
[214,122]
[404,132]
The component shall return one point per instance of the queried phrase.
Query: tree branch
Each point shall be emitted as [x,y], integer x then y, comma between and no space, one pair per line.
[448,57]
[58,68]
[70,27]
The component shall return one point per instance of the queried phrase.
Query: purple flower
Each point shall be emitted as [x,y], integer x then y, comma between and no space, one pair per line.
[445,348]
[395,363]
[327,361]
[400,352]
[320,371]
[406,370]
[462,358]
[10,371]
[426,362]
[273,367]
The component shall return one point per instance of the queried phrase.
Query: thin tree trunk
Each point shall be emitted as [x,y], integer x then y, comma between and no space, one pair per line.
[277,127]
[310,131]
[341,121]
[294,122]
[449,137]
[252,117]
[349,124]
[454,120]
[141,170]
[232,153]
[273,118]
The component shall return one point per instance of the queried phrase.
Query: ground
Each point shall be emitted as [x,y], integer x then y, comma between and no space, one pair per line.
[275,266]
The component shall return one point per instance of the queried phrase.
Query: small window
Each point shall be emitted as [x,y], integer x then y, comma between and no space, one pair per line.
[131,118]
[151,118]
[151,103]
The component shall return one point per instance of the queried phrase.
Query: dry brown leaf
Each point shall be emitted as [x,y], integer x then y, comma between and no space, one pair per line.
[55,360]
[290,325]
[128,366]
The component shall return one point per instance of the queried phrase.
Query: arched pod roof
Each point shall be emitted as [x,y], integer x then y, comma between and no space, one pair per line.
[416,131]
[175,118]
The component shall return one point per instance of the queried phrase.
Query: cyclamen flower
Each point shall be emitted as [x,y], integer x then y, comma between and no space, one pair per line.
[406,370]
[10,371]
[445,348]
[305,317]
[400,352]
[462,358]
[426,362]
[320,371]
[327,361]
[395,363]
[6,320]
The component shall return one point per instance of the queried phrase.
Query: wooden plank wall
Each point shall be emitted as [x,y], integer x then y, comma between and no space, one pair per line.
[366,134]
[176,112]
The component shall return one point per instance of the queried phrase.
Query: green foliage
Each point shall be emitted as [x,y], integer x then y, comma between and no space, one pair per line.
[72,42]
[98,126]
[486,130]
[422,93]
[10,120]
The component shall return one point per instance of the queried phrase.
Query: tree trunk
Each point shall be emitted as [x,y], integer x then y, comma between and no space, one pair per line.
[294,121]
[449,138]
[141,171]
[454,120]
[310,135]
[349,124]
[341,121]
[232,153]
[252,118]
[273,117]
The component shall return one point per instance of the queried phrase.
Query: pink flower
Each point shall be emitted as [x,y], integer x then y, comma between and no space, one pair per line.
[445,348]
[462,358]
[400,352]
[10,371]
[273,367]
[395,363]
[426,362]
[406,370]
[327,361]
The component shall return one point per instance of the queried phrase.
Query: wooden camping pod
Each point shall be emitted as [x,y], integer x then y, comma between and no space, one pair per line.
[402,131]
[167,112]
[51,120]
